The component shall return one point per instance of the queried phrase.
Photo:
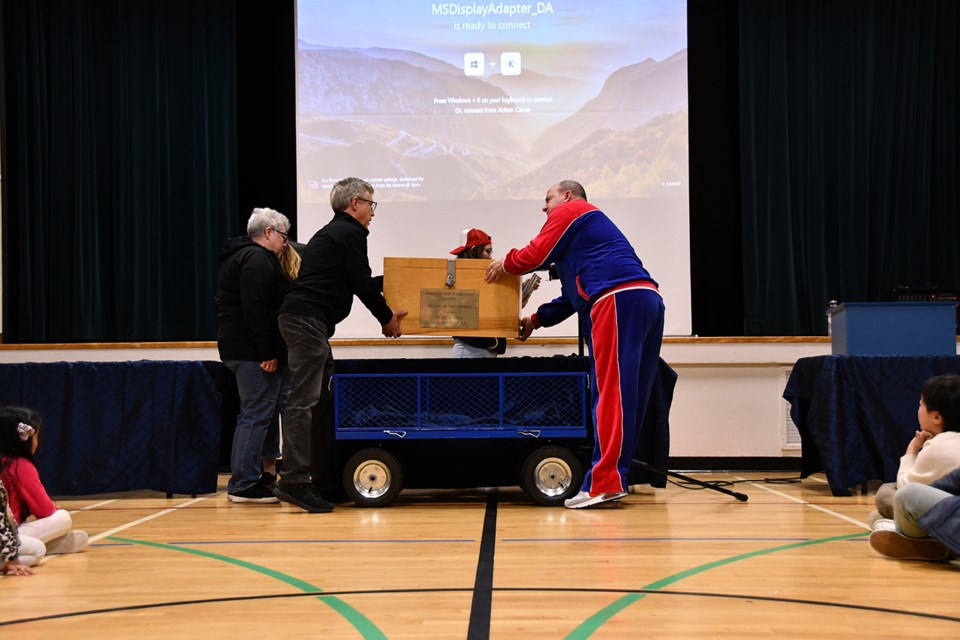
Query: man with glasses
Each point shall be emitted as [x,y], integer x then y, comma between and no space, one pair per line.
[335,268]
[250,288]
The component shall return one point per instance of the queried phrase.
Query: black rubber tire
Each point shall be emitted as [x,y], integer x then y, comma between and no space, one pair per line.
[551,474]
[372,477]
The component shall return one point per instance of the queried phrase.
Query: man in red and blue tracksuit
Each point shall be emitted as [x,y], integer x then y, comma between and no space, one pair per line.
[621,316]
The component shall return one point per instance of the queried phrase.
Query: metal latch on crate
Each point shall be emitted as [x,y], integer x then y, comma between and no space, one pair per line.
[398,434]
[451,273]
[533,433]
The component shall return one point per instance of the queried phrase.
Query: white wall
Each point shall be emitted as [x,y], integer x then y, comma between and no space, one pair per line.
[727,401]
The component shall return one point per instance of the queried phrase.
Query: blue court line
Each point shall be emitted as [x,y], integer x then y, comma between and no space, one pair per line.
[443,541]
[301,541]
[635,539]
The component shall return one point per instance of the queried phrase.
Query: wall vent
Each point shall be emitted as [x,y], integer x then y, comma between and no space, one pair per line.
[789,434]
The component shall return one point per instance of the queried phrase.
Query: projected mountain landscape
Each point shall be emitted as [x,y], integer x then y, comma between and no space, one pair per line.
[422,125]
[461,114]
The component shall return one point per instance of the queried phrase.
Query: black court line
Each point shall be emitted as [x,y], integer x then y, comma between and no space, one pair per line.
[480,609]
[368,592]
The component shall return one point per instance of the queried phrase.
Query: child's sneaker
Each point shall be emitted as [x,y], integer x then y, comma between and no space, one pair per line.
[73,542]
[253,493]
[896,545]
[883,524]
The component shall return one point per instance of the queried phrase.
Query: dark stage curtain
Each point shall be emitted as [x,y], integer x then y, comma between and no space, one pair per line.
[849,154]
[120,167]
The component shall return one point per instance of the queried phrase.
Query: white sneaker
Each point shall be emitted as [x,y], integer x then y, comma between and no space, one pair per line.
[883,524]
[584,499]
[71,542]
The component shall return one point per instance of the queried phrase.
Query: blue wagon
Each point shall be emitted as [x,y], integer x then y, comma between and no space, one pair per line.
[445,423]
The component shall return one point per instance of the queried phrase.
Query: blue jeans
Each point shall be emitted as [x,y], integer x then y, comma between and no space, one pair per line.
[257,436]
[311,364]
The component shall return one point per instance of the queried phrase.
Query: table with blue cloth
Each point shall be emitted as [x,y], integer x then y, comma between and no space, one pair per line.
[857,414]
[124,426]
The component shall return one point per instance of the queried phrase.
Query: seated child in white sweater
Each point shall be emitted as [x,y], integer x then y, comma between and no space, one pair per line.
[934,450]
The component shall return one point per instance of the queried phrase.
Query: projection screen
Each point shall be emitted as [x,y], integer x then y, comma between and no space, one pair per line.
[462,114]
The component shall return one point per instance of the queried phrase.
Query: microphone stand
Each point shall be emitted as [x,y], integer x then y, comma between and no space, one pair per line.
[742,497]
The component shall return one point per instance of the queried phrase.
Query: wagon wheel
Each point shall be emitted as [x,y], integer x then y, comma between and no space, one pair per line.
[372,477]
[551,475]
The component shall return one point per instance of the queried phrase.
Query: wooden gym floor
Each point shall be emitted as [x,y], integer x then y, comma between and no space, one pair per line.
[791,562]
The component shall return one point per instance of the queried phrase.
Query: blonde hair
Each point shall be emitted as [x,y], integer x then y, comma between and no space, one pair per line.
[290,262]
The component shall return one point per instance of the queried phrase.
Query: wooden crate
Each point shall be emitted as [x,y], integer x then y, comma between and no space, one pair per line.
[471,307]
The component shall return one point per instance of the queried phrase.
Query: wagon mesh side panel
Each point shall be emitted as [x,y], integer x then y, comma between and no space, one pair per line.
[461,401]
[543,401]
[377,402]
[471,401]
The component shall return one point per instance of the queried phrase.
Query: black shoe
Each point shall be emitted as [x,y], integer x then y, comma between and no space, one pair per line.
[304,495]
[334,494]
[267,479]
[253,493]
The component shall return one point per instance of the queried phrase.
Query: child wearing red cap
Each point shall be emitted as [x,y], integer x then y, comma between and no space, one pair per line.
[476,244]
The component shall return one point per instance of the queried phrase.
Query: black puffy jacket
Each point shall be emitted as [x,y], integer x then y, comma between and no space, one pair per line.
[250,288]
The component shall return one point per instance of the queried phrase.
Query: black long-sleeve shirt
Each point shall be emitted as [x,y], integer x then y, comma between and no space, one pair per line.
[335,268]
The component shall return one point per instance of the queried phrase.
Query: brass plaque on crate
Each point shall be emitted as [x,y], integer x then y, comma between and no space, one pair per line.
[458,302]
[449,309]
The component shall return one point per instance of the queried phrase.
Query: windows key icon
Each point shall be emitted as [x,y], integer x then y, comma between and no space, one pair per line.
[473,64]
[510,64]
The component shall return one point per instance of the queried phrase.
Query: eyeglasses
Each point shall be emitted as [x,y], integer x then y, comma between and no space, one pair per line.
[373,204]
[282,234]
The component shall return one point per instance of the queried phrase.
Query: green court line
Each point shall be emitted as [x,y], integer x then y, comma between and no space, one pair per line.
[594,622]
[361,623]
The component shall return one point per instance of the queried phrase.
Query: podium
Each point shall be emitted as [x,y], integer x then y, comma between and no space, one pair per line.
[894,328]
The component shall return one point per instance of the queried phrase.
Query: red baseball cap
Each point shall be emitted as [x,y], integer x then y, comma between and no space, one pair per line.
[471,238]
